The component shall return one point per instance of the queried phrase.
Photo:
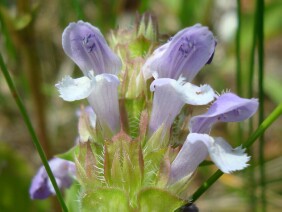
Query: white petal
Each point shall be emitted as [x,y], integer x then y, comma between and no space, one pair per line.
[74,89]
[226,158]
[194,95]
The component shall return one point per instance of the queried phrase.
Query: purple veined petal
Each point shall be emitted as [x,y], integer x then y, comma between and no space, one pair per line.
[192,153]
[226,158]
[169,98]
[64,172]
[87,47]
[227,108]
[74,89]
[104,101]
[149,69]
[167,104]
[183,56]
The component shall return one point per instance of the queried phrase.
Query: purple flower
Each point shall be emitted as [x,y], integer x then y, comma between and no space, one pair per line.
[169,98]
[64,173]
[86,46]
[227,108]
[183,56]
[197,147]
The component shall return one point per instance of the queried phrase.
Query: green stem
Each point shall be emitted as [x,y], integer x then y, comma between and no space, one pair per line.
[260,130]
[260,34]
[238,59]
[264,125]
[31,131]
[251,179]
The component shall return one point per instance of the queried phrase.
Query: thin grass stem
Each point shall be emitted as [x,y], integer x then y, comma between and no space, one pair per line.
[260,34]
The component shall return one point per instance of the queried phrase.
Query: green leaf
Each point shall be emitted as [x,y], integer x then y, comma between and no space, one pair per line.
[70,154]
[71,197]
[157,200]
[105,200]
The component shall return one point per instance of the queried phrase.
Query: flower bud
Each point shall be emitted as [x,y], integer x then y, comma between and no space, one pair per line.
[183,56]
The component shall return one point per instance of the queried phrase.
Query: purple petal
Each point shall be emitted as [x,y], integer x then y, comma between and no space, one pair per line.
[39,188]
[104,101]
[184,55]
[87,47]
[167,104]
[63,171]
[227,108]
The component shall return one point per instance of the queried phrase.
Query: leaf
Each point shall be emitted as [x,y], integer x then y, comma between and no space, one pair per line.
[70,154]
[104,200]
[71,195]
[157,200]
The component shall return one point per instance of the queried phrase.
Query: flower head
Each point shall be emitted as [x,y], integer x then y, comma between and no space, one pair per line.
[227,108]
[183,56]
[64,173]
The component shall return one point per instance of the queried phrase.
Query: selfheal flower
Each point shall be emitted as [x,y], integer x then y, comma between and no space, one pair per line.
[184,55]
[169,98]
[197,147]
[87,47]
[64,173]
[102,94]
[227,108]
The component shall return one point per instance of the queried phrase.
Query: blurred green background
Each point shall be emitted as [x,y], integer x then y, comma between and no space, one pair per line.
[30,41]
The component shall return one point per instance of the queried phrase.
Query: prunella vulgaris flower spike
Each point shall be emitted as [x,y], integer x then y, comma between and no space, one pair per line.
[64,172]
[182,56]
[227,108]
[87,47]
